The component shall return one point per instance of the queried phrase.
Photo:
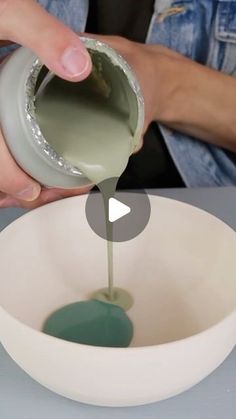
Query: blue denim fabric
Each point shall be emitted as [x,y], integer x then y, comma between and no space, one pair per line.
[72,13]
[203,30]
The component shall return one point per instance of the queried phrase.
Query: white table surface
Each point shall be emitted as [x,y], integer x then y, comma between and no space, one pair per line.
[214,398]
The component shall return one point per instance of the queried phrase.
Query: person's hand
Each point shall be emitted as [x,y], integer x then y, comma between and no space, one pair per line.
[182,94]
[145,60]
[60,49]
[44,197]
[140,57]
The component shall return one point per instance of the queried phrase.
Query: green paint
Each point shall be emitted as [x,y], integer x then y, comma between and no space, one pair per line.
[85,126]
[120,297]
[91,323]
[89,124]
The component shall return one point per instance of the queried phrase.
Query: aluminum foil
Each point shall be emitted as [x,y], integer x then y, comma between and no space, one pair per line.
[41,143]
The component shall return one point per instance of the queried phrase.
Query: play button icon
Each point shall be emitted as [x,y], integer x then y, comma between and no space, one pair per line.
[117,210]
[127,212]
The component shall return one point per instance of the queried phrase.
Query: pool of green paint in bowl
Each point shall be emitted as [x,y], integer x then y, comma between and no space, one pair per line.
[91,322]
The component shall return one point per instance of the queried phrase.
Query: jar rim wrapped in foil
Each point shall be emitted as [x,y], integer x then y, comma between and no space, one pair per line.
[40,142]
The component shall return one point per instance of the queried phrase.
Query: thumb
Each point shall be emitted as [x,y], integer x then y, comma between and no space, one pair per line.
[59,48]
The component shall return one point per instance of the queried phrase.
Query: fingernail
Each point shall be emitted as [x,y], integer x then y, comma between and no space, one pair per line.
[30,193]
[74,61]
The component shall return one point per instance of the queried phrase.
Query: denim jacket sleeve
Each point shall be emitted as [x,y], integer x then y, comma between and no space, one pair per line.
[205,31]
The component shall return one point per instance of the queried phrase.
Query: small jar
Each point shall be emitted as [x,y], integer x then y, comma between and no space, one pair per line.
[20,77]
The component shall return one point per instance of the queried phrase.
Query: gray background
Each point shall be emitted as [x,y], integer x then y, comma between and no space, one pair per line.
[213,398]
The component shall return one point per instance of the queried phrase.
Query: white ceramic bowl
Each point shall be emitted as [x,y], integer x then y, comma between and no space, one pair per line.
[181,272]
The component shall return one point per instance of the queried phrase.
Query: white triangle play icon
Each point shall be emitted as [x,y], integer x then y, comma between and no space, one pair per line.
[117,209]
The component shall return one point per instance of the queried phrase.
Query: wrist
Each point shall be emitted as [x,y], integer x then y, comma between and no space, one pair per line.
[170,85]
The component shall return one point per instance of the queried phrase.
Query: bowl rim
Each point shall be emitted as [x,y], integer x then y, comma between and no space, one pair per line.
[130,348]
[83,197]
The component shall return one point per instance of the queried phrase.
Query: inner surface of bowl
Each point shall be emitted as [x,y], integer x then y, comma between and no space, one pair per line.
[180,270]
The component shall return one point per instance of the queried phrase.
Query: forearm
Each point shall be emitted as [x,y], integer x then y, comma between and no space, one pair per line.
[194,99]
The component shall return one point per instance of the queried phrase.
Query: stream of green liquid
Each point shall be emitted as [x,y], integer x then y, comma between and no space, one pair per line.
[87,131]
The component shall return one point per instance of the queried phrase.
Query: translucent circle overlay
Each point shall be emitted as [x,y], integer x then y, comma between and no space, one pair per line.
[125,228]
